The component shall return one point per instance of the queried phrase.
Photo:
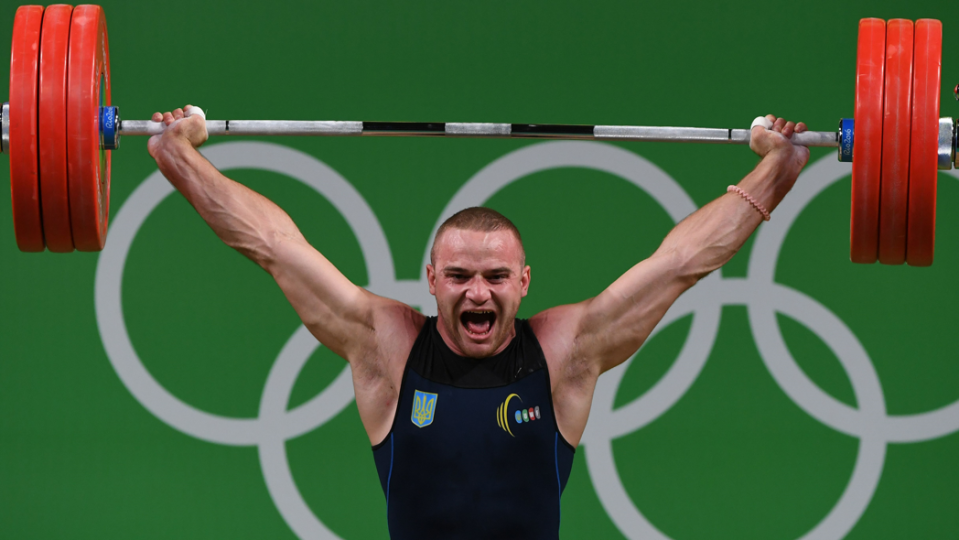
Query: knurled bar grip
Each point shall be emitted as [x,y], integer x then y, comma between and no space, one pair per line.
[459,129]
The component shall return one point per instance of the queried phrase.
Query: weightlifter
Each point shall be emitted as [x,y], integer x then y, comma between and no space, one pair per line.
[474,415]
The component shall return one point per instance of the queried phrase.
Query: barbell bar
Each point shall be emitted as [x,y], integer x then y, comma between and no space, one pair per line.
[67,65]
[477,129]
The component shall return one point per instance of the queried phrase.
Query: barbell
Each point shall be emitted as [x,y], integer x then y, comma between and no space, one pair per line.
[60,128]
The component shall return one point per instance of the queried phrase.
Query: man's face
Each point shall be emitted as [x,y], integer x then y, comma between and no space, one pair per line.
[478,279]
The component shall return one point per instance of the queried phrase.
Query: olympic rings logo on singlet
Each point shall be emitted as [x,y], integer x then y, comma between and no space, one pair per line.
[524,414]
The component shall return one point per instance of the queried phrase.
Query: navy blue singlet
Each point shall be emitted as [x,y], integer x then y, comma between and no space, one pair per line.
[474,451]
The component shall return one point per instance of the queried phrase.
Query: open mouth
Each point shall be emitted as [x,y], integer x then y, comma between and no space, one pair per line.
[478,323]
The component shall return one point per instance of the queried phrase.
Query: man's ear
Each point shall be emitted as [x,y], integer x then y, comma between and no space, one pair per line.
[431,278]
[524,280]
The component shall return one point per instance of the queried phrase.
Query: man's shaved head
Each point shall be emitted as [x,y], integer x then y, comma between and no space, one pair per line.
[480,219]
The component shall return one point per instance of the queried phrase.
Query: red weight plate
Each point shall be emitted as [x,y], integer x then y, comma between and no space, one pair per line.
[88,166]
[24,164]
[867,148]
[55,199]
[924,145]
[896,122]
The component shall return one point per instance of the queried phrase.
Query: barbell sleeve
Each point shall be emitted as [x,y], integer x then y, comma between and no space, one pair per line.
[4,127]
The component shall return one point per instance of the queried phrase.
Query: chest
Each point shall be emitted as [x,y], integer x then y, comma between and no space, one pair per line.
[443,424]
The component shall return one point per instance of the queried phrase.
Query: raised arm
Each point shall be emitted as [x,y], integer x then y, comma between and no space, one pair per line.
[583,340]
[369,331]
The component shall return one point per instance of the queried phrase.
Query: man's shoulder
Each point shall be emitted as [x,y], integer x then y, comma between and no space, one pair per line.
[556,330]
[558,321]
[393,325]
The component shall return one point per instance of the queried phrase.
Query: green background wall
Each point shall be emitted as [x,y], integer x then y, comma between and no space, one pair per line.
[735,456]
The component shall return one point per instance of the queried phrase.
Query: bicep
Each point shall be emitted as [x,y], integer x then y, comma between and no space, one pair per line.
[617,322]
[581,341]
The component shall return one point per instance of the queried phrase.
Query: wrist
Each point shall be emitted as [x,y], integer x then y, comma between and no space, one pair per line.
[771,180]
[751,200]
[173,149]
[789,160]
[779,157]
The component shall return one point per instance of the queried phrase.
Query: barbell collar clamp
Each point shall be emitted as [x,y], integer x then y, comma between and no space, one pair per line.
[847,131]
[109,127]
[5,128]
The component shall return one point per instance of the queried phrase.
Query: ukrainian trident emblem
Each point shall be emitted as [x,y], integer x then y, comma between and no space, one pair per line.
[424,404]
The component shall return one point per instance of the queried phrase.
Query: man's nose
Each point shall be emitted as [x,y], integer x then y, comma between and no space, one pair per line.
[477,293]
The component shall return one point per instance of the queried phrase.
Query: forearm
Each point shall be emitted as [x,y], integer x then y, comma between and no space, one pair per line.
[240,217]
[708,238]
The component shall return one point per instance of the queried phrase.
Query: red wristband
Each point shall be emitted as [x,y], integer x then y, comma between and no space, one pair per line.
[759,208]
